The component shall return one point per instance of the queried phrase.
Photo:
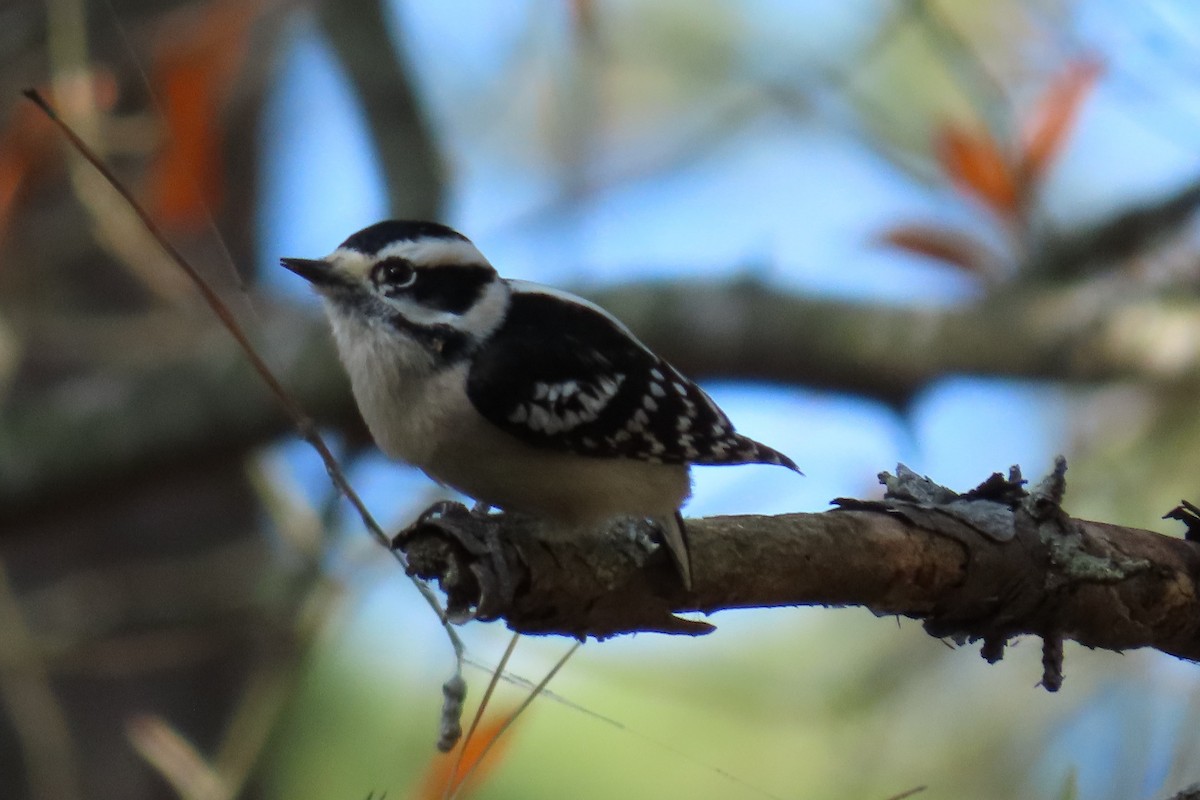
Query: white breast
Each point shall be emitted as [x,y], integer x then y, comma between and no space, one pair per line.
[400,395]
[424,417]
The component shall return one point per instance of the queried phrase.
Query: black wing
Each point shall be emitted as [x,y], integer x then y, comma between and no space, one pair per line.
[567,376]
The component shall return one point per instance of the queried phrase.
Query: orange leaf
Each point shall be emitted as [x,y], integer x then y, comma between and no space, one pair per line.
[975,163]
[1046,128]
[28,142]
[193,68]
[25,143]
[433,786]
[941,244]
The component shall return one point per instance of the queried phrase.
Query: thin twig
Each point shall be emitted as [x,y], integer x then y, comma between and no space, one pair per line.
[175,758]
[38,720]
[159,106]
[304,424]
[683,755]
[483,703]
[513,717]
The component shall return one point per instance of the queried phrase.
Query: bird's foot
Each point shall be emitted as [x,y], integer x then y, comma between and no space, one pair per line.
[637,532]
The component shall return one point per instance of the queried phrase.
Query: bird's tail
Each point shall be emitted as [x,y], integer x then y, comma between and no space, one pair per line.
[752,452]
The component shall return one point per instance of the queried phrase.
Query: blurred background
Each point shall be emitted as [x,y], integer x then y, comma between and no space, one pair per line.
[959,235]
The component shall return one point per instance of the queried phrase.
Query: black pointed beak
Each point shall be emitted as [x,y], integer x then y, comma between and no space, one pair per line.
[314,270]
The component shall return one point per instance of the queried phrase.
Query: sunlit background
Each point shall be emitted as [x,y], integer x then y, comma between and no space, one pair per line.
[830,151]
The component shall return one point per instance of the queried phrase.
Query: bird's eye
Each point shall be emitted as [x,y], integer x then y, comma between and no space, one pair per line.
[393,274]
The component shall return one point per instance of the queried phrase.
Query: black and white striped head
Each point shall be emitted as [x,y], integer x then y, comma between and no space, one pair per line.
[421,278]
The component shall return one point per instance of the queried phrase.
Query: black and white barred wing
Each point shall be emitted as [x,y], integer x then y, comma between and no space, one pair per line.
[567,376]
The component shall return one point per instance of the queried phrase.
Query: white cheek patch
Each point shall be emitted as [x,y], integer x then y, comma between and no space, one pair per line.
[421,315]
[488,312]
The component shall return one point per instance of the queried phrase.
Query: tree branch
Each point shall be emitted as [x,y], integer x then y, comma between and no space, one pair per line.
[1091,331]
[377,68]
[994,563]
[205,402]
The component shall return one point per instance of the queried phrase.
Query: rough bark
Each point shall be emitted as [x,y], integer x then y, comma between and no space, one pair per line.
[988,565]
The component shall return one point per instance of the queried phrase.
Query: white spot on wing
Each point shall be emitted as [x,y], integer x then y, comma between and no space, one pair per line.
[594,402]
[592,405]
[558,407]
[539,418]
[689,447]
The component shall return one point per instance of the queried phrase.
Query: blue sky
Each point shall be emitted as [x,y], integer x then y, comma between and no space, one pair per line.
[797,207]
[796,204]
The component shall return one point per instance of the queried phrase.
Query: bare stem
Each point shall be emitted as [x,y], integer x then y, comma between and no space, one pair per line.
[300,419]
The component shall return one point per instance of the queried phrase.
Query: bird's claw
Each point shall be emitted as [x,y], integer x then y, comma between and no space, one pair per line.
[475,573]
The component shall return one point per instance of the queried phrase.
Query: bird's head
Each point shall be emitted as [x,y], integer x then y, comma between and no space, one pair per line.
[412,281]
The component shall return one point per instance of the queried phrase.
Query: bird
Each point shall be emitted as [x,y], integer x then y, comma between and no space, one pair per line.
[521,396]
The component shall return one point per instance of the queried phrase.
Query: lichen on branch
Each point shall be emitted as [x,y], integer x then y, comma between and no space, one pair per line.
[987,565]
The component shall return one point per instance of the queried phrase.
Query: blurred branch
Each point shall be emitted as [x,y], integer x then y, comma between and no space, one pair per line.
[994,563]
[1189,793]
[37,717]
[965,63]
[209,403]
[1120,239]
[175,758]
[377,69]
[250,356]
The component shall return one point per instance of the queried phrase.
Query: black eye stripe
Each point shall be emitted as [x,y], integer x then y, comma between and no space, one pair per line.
[451,288]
